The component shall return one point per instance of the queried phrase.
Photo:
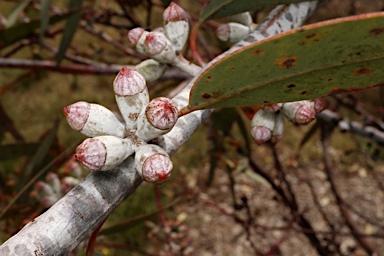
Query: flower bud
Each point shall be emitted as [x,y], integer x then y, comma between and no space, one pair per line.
[54,181]
[301,112]
[159,48]
[153,163]
[262,125]
[176,27]
[232,32]
[318,105]
[48,201]
[67,183]
[136,38]
[104,152]
[151,70]
[278,129]
[272,107]
[93,120]
[134,35]
[44,188]
[131,95]
[157,118]
[244,18]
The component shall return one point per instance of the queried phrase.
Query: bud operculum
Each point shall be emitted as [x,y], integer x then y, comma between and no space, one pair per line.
[104,152]
[157,118]
[176,27]
[153,163]
[262,125]
[131,95]
[93,120]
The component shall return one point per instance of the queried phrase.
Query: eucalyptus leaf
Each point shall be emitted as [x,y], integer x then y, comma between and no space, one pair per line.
[12,17]
[21,31]
[69,30]
[44,18]
[335,56]
[224,8]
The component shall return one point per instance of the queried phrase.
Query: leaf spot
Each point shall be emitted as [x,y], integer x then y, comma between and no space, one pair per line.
[291,85]
[377,31]
[206,96]
[358,53]
[303,92]
[266,102]
[330,79]
[311,35]
[287,62]
[362,71]
[258,51]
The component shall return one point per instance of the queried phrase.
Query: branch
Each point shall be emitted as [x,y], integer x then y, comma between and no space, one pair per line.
[77,214]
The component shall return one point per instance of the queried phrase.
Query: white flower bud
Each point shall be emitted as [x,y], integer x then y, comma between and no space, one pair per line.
[159,48]
[232,32]
[244,18]
[93,120]
[67,183]
[44,188]
[134,35]
[48,201]
[318,105]
[131,95]
[176,27]
[54,181]
[157,118]
[151,70]
[278,129]
[104,152]
[136,38]
[301,112]
[153,163]
[262,125]
[272,107]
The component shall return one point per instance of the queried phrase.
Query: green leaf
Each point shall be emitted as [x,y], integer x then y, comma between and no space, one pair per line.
[69,30]
[334,56]
[41,152]
[224,8]
[44,19]
[19,32]
[12,17]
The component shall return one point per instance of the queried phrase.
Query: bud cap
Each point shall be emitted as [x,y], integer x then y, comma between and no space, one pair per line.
[77,114]
[128,82]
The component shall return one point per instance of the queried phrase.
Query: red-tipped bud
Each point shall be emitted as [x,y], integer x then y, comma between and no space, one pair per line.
[261,134]
[159,48]
[156,119]
[318,105]
[272,107]
[68,183]
[151,70]
[44,188]
[134,35]
[153,163]
[54,181]
[131,95]
[262,125]
[48,201]
[104,152]
[232,32]
[301,112]
[176,27]
[93,120]
[278,130]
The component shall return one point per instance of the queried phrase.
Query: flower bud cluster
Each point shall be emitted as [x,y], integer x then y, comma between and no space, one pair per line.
[112,140]
[163,45]
[268,123]
[239,26]
[52,189]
